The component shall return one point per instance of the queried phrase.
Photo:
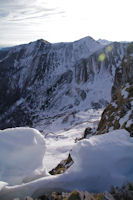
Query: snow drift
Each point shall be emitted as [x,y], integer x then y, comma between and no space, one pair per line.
[21,155]
[99,162]
[102,161]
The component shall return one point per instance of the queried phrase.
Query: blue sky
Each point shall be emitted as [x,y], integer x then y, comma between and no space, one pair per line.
[22,21]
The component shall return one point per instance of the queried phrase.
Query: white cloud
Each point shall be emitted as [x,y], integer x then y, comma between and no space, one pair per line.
[22,10]
[65,20]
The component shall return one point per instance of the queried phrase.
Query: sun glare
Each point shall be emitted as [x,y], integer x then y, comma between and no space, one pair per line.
[101,57]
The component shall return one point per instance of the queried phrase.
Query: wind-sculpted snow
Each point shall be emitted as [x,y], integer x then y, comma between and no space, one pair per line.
[99,162]
[54,78]
[21,155]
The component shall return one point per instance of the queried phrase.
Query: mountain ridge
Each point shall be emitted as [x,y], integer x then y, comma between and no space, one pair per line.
[41,78]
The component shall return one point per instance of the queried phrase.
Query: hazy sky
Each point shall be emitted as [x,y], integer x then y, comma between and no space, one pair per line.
[22,21]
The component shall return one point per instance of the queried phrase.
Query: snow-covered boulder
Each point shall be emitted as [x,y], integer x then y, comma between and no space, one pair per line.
[99,162]
[21,155]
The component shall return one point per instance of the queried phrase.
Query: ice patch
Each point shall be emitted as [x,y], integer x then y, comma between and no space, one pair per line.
[129,123]
[114,104]
[125,118]
[124,93]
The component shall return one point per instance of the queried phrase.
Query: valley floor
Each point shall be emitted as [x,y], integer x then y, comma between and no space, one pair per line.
[61,133]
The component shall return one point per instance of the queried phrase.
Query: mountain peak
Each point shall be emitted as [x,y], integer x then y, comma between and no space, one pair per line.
[39,41]
[103,41]
[42,41]
[86,39]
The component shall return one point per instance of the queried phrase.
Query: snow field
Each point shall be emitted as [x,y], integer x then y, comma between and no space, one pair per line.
[99,162]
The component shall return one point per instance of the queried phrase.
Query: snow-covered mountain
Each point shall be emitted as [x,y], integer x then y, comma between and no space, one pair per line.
[104,42]
[40,80]
[61,89]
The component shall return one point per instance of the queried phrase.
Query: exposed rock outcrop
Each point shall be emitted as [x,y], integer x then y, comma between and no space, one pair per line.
[119,113]
[116,193]
[62,166]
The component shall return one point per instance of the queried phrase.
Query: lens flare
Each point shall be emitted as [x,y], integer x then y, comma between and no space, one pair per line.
[109,48]
[101,57]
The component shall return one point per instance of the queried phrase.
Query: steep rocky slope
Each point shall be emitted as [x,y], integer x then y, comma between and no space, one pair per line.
[41,80]
[119,113]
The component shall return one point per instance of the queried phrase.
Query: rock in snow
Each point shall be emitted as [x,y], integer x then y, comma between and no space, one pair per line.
[21,155]
[99,162]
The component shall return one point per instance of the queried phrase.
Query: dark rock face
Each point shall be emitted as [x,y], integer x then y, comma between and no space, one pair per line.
[119,113]
[62,166]
[124,73]
[40,79]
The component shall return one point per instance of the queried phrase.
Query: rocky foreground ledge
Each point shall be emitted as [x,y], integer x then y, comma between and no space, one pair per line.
[116,193]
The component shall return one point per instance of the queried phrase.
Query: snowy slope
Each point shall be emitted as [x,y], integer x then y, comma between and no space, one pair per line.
[63,85]
[99,162]
[61,134]
[60,89]
[41,80]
